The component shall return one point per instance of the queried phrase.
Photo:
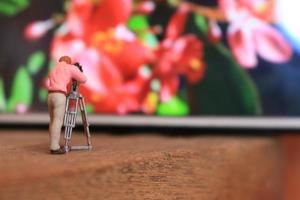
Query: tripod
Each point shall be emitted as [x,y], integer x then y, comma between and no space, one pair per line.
[73,99]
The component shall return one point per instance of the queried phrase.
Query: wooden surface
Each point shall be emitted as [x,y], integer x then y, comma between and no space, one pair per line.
[141,166]
[291,150]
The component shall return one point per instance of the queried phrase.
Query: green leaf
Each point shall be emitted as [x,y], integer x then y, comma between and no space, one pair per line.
[174,107]
[149,39]
[35,62]
[201,23]
[51,65]
[12,7]
[89,108]
[173,2]
[138,23]
[226,88]
[21,91]
[2,96]
[43,93]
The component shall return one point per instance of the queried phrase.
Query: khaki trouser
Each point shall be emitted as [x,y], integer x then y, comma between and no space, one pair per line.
[56,106]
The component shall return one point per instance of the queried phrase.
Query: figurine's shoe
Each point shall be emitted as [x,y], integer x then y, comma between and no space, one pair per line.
[58,151]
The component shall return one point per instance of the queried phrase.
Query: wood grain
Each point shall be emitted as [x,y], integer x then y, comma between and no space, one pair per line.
[291,150]
[141,166]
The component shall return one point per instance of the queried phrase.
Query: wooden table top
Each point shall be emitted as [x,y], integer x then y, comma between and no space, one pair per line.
[141,166]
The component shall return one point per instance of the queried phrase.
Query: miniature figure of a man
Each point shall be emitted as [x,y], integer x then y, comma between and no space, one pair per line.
[59,77]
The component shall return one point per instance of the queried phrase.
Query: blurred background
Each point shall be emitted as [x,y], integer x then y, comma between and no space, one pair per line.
[198,58]
[165,58]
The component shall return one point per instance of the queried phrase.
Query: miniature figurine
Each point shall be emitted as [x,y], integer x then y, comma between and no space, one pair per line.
[74,101]
[60,76]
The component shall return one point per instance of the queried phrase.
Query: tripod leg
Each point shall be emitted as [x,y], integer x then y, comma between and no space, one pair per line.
[68,133]
[69,121]
[66,110]
[66,123]
[85,121]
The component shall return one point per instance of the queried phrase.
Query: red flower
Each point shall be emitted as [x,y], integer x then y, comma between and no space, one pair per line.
[177,22]
[120,96]
[87,17]
[190,63]
[110,54]
[178,56]
[123,48]
[115,61]
[107,90]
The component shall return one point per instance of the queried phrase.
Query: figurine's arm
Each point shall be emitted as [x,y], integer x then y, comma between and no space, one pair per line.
[78,75]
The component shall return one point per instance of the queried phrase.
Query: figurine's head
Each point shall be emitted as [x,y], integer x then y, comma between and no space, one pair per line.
[66,59]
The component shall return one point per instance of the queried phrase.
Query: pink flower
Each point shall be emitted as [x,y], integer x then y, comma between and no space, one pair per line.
[214,32]
[36,30]
[262,9]
[21,108]
[145,7]
[250,35]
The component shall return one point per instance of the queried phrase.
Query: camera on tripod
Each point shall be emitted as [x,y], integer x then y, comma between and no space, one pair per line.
[78,66]
[74,83]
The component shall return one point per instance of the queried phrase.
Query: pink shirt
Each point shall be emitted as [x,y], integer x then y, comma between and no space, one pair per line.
[61,75]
